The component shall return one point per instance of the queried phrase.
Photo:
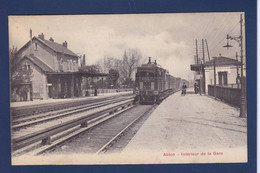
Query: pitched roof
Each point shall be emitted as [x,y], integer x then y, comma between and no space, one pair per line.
[222,61]
[42,65]
[56,47]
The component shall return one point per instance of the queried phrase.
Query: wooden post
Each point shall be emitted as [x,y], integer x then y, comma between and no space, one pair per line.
[207,49]
[203,55]
[242,107]
[215,94]
[197,52]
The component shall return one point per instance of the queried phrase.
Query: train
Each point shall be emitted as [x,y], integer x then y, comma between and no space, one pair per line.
[154,83]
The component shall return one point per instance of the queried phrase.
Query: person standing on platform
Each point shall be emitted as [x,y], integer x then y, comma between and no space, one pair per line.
[183,89]
[196,88]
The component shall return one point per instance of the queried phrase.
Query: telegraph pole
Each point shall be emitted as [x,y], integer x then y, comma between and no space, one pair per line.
[242,108]
[237,68]
[240,41]
[203,51]
[197,52]
[215,95]
[207,48]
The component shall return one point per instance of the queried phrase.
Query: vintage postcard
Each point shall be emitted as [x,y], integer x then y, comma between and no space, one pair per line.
[162,88]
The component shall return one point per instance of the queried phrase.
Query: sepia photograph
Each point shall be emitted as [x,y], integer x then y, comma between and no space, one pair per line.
[106,89]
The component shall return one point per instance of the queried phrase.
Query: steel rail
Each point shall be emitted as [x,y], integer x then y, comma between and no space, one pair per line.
[71,136]
[63,113]
[116,137]
[45,107]
[44,135]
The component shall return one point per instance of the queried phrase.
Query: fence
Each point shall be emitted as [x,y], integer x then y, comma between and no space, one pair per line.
[100,91]
[227,94]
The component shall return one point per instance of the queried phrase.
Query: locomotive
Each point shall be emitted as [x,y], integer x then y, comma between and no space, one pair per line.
[153,83]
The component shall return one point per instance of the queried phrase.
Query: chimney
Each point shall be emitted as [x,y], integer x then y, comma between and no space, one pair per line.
[84,60]
[51,39]
[65,44]
[149,62]
[155,62]
[41,36]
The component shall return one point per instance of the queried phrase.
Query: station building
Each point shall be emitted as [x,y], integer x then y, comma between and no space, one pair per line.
[55,69]
[227,72]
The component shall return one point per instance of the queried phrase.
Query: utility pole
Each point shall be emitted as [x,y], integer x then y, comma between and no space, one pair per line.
[203,51]
[207,48]
[240,41]
[242,108]
[200,77]
[237,67]
[215,92]
[197,52]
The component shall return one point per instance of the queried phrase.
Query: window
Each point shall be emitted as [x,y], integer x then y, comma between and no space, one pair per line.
[152,85]
[35,46]
[27,66]
[222,78]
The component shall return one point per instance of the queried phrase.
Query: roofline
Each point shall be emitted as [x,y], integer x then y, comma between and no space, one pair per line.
[26,44]
[76,56]
[28,57]
[42,61]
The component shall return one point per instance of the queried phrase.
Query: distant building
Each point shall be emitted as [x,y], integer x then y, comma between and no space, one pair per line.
[227,72]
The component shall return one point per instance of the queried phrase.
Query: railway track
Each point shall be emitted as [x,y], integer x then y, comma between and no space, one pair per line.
[103,135]
[29,136]
[30,120]
[24,111]
[97,126]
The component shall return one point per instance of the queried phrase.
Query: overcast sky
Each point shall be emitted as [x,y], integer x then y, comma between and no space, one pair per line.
[168,38]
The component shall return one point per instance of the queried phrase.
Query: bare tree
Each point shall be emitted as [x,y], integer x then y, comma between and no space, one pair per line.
[125,66]
[131,59]
[108,63]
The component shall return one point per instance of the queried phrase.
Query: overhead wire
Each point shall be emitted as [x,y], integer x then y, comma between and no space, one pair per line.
[213,48]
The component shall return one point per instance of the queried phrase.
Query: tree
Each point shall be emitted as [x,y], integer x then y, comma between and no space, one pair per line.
[108,63]
[20,76]
[112,77]
[131,59]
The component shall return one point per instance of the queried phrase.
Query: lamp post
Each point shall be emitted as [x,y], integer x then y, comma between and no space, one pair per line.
[239,39]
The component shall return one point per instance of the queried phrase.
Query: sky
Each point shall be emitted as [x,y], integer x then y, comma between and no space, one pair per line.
[169,38]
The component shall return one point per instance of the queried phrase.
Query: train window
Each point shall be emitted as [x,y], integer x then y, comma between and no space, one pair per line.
[145,74]
[141,86]
[152,85]
[156,85]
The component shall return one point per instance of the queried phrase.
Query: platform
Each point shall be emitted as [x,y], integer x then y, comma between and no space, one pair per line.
[49,101]
[191,129]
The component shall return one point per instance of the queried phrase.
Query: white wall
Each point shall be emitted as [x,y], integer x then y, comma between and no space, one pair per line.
[39,80]
[209,75]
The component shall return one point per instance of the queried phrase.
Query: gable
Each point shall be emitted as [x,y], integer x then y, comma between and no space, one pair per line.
[37,62]
[52,46]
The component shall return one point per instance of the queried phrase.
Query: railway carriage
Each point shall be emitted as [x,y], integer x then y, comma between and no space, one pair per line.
[153,83]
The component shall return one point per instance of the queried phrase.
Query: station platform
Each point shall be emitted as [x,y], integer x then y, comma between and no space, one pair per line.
[49,101]
[190,129]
